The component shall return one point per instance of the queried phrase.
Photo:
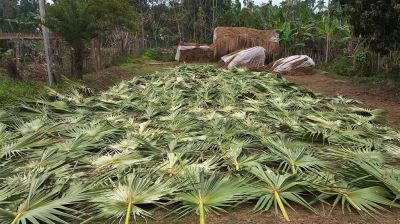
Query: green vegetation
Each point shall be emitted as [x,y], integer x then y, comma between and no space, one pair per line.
[78,22]
[376,21]
[194,139]
[157,55]
[13,92]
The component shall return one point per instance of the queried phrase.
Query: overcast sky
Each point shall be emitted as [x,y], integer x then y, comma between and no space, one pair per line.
[258,2]
[265,1]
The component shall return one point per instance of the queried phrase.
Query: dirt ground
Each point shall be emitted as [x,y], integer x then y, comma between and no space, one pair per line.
[243,214]
[383,96]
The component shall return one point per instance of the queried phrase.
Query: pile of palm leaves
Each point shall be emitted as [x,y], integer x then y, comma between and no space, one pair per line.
[193,139]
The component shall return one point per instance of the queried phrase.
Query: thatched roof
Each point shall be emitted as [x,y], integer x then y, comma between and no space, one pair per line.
[230,39]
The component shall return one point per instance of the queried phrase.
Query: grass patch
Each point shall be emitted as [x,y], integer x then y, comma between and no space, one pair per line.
[13,92]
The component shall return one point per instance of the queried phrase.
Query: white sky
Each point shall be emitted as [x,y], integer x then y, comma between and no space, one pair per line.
[258,2]
[276,2]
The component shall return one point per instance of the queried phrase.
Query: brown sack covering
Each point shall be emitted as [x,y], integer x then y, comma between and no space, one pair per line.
[197,55]
[230,39]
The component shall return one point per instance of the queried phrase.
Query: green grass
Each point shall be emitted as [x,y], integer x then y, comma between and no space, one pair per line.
[343,66]
[14,92]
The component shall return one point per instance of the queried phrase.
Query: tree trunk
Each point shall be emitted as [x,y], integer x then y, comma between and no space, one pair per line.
[46,43]
[96,46]
[77,63]
[17,57]
[142,28]
[327,49]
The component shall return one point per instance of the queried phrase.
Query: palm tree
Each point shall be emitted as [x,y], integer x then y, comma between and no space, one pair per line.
[328,28]
[78,22]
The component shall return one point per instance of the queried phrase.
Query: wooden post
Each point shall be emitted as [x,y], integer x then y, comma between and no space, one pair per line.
[17,54]
[46,42]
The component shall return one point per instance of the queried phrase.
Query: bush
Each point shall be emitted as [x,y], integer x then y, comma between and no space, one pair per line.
[342,66]
[152,54]
[362,63]
[13,92]
[157,54]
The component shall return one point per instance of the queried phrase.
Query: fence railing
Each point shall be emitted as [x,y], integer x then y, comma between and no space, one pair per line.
[102,52]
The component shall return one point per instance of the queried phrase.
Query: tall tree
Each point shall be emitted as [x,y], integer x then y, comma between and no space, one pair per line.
[376,21]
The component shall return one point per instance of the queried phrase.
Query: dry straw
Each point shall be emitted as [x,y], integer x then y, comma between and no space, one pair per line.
[230,39]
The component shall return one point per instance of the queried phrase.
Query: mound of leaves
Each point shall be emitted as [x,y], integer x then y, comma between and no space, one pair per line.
[194,139]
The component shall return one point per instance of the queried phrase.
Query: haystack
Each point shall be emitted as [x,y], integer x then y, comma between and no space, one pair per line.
[193,52]
[230,39]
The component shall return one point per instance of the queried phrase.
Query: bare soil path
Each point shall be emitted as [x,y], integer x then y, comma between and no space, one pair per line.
[373,96]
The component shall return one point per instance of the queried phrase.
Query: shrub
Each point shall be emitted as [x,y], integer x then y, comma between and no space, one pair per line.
[152,54]
[342,66]
[157,54]
[362,62]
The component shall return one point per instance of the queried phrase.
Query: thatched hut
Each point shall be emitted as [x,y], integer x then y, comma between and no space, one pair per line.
[230,39]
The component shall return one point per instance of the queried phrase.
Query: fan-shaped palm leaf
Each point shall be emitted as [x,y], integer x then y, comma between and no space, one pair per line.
[127,197]
[277,189]
[210,194]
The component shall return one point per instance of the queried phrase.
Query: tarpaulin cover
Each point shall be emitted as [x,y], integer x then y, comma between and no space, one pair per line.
[251,58]
[293,63]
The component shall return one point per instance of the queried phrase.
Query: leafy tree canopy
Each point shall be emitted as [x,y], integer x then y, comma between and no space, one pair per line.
[79,21]
[377,21]
[18,16]
[82,20]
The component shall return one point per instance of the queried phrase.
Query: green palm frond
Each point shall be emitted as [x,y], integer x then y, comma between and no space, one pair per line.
[388,176]
[202,138]
[271,188]
[130,194]
[362,199]
[43,205]
[293,156]
[360,154]
[95,130]
[23,144]
[119,160]
[204,194]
